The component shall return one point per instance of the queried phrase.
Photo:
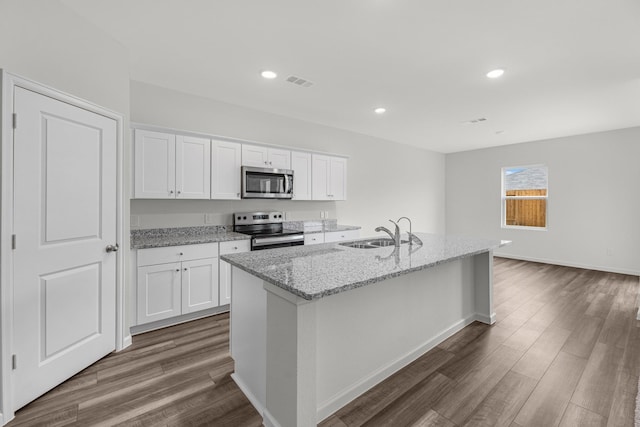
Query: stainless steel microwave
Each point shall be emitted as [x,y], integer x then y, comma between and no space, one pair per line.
[264,183]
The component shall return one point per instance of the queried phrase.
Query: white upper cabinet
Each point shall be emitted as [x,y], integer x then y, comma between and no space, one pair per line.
[155,165]
[169,166]
[225,170]
[193,167]
[301,166]
[329,177]
[265,157]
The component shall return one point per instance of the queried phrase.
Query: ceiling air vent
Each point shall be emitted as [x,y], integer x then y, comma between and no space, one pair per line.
[299,81]
[474,121]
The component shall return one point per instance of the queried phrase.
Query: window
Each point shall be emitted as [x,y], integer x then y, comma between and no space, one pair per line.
[524,197]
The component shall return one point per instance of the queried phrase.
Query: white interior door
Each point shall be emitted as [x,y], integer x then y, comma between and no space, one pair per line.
[64,217]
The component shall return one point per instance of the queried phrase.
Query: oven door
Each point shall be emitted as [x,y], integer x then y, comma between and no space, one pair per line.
[262,183]
[259,243]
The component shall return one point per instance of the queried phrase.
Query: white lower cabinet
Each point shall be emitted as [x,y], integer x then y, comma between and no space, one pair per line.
[341,236]
[186,284]
[331,236]
[313,238]
[233,247]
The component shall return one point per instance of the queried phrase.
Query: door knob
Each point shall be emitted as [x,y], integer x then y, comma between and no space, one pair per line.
[112,248]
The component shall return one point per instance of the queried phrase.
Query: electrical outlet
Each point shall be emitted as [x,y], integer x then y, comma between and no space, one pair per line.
[209,218]
[609,251]
[134,221]
[321,214]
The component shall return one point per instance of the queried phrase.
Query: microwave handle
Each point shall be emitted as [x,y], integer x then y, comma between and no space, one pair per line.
[287,183]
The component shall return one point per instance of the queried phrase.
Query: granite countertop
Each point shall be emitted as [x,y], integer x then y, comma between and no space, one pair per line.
[316,271]
[161,237]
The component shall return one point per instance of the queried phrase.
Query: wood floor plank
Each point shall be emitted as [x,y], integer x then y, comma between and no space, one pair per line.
[548,401]
[432,419]
[502,404]
[584,337]
[575,416]
[412,405]
[597,385]
[471,389]
[541,354]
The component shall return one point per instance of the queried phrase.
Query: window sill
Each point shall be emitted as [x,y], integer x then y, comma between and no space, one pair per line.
[523,227]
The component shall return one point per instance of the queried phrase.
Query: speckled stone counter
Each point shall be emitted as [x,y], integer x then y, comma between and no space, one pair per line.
[160,237]
[313,272]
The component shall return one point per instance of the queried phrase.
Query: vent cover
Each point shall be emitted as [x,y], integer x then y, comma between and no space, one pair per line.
[299,81]
[475,121]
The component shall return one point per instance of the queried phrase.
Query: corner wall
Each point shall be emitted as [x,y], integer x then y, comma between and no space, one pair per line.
[594,201]
[385,180]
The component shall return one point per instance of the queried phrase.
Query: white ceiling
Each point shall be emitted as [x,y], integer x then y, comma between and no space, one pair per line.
[572,66]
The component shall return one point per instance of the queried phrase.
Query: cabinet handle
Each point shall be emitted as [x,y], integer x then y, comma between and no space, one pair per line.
[185,269]
[238,194]
[235,248]
[179,191]
[181,254]
[170,191]
[177,269]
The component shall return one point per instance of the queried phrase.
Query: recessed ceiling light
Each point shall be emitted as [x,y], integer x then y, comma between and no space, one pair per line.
[380,110]
[267,74]
[494,74]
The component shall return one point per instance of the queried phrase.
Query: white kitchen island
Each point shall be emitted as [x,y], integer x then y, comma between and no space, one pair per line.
[314,327]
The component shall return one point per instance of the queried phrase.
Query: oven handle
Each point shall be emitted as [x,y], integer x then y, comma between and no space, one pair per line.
[263,241]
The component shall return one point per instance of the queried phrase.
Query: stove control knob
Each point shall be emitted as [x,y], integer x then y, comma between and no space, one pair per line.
[244,217]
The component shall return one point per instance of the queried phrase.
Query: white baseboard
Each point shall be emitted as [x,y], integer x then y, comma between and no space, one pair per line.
[569,264]
[252,398]
[489,320]
[127,341]
[349,393]
[172,321]
[269,421]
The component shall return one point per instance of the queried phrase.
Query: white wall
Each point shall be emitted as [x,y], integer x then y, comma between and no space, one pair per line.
[385,180]
[594,201]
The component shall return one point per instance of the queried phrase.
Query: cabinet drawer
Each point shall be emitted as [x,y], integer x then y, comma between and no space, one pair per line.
[235,246]
[168,254]
[340,236]
[314,238]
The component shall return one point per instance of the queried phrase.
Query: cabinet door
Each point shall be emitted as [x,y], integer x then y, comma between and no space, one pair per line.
[254,155]
[279,159]
[225,268]
[226,160]
[199,284]
[154,164]
[337,178]
[320,177]
[193,167]
[158,292]
[301,166]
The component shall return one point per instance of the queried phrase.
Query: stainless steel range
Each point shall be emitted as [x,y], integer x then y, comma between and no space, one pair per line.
[266,230]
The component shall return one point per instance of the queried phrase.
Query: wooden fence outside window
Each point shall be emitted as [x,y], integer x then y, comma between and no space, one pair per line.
[526,212]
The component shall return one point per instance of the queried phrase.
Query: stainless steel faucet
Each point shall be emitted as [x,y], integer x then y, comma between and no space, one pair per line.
[412,237]
[394,236]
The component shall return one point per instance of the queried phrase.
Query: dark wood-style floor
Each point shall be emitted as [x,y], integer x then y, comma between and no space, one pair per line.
[564,351]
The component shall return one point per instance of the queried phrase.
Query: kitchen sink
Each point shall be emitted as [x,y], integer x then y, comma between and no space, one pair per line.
[371,244]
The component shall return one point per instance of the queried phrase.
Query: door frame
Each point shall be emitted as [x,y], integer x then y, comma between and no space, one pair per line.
[8,82]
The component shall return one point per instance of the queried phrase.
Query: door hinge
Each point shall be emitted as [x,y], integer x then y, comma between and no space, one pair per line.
[14,362]
[15,120]
[13,241]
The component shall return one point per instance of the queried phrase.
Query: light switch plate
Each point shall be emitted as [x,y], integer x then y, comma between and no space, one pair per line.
[209,218]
